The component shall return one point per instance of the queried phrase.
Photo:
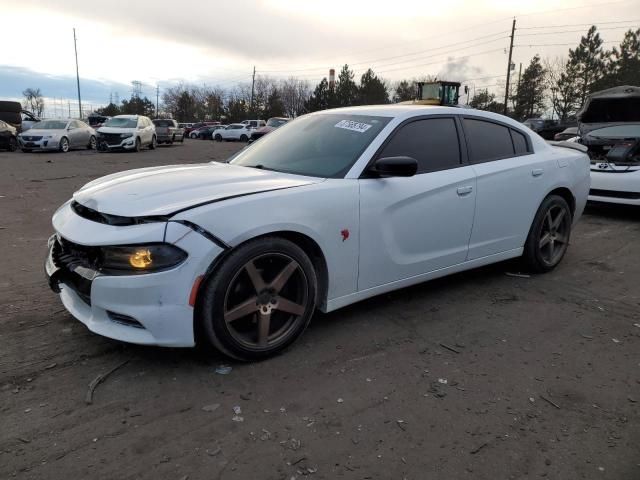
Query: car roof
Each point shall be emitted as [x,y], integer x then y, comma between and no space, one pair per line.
[405,111]
[127,116]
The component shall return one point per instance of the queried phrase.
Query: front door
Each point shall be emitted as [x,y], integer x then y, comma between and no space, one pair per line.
[414,225]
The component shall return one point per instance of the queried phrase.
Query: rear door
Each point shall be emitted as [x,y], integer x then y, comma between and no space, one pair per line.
[511,182]
[414,225]
[74,134]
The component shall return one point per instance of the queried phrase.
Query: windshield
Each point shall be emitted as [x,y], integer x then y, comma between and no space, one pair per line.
[51,125]
[276,122]
[121,122]
[324,145]
[163,123]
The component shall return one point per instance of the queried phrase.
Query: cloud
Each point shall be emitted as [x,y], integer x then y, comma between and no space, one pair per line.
[458,70]
[13,80]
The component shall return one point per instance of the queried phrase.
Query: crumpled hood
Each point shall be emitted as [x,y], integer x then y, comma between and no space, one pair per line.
[166,190]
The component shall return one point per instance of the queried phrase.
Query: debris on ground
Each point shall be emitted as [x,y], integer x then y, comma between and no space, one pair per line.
[551,402]
[443,381]
[450,348]
[99,379]
[211,408]
[340,400]
[223,369]
[476,450]
[517,275]
[615,340]
[237,411]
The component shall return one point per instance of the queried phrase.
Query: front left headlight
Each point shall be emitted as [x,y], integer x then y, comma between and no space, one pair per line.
[127,259]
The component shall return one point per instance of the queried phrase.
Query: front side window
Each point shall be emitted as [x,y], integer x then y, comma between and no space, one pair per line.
[320,145]
[432,142]
[487,141]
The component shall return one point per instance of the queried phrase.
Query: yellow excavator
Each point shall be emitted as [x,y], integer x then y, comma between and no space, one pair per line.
[436,93]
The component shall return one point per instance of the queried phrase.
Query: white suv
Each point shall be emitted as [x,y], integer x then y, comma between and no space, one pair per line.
[127,132]
[235,131]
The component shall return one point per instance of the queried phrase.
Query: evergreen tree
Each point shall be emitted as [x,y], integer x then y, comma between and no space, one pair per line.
[237,110]
[185,107]
[623,66]
[405,90]
[529,100]
[483,100]
[588,60]
[110,110]
[372,90]
[321,98]
[346,88]
[138,106]
[274,106]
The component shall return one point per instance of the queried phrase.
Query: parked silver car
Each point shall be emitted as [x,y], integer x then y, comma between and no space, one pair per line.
[61,135]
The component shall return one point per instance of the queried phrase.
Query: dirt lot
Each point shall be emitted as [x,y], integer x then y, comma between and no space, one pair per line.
[542,373]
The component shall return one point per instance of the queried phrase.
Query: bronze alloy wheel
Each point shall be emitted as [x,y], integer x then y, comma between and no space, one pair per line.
[265,300]
[554,235]
[549,235]
[259,299]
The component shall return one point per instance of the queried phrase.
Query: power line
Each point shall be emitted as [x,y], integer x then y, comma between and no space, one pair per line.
[402,55]
[578,24]
[558,44]
[566,31]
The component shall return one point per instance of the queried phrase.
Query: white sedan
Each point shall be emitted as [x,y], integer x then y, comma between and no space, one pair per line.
[332,208]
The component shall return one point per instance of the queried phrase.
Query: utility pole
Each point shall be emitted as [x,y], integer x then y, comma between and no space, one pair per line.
[506,91]
[69,105]
[75,47]
[157,97]
[253,83]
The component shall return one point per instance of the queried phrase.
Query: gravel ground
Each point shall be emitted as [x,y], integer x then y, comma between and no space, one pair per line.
[480,375]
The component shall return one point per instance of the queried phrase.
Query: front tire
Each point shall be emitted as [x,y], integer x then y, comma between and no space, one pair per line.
[549,236]
[63,146]
[218,137]
[152,145]
[260,300]
[13,144]
[138,145]
[243,138]
[92,143]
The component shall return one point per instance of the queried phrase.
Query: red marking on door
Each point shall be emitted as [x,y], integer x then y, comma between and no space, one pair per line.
[345,234]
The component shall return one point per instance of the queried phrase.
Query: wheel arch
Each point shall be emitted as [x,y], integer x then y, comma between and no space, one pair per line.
[565,193]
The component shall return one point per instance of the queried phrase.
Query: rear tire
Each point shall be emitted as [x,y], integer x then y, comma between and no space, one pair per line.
[549,235]
[13,144]
[243,138]
[218,137]
[260,299]
[92,143]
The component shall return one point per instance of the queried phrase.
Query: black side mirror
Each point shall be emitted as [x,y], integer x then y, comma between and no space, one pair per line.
[395,167]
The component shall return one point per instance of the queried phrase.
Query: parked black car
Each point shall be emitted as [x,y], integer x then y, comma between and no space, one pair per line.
[203,133]
[8,139]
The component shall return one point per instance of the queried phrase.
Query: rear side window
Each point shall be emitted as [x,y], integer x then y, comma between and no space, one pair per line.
[487,141]
[432,142]
[519,143]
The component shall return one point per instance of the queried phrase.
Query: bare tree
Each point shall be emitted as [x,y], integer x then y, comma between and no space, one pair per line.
[33,101]
[294,93]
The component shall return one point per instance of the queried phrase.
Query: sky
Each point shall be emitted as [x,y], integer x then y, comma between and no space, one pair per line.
[220,42]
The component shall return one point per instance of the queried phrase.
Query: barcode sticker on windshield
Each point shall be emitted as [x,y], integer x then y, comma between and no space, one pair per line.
[351,125]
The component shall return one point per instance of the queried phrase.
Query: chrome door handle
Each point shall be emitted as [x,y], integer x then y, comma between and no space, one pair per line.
[462,191]
[536,172]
